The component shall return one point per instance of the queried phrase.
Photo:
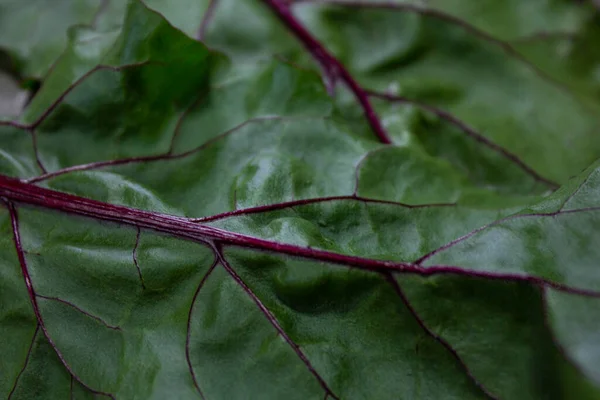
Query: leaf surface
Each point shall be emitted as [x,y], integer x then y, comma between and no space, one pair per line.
[355,200]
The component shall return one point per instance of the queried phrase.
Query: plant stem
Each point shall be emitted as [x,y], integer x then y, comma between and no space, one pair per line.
[332,67]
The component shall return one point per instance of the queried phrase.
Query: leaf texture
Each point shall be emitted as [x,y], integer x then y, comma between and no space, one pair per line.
[305,200]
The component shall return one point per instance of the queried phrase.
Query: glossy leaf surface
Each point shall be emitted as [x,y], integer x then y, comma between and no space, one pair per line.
[259,199]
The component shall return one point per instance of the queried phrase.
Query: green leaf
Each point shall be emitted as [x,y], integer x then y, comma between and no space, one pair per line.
[355,200]
[514,104]
[35,31]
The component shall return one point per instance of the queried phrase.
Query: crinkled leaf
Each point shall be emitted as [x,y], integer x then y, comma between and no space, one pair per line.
[514,104]
[202,219]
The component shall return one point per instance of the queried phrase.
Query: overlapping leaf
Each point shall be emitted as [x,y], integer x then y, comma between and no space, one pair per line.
[35,32]
[237,233]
